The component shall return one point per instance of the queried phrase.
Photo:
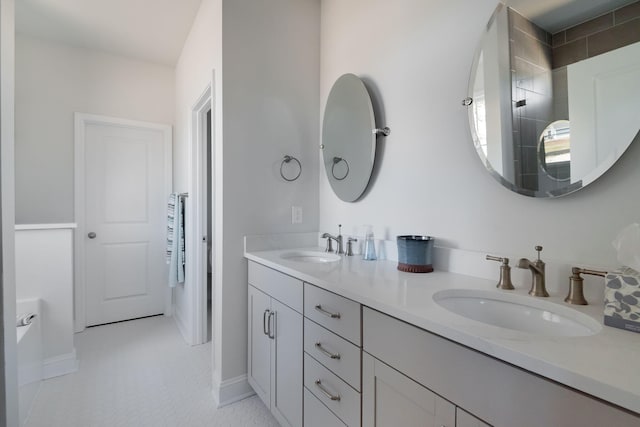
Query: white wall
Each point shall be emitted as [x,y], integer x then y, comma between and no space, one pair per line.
[417,54]
[44,270]
[266,106]
[200,57]
[9,366]
[52,82]
[270,108]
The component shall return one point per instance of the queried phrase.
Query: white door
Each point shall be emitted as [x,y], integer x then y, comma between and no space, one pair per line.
[126,171]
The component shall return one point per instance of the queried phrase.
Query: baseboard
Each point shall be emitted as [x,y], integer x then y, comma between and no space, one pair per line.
[232,390]
[182,327]
[60,365]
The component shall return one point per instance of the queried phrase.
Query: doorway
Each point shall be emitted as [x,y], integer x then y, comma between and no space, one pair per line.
[123,177]
[209,228]
[201,265]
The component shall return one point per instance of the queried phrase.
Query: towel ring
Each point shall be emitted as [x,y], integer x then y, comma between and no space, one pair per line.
[337,160]
[287,159]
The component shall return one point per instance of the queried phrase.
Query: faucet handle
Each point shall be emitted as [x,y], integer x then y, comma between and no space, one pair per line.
[576,296]
[504,261]
[538,249]
[505,272]
[329,245]
[350,241]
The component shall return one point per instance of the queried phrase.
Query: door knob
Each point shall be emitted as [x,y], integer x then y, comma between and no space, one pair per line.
[91,235]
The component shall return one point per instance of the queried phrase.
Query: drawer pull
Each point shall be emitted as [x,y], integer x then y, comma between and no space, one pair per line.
[330,355]
[327,313]
[326,392]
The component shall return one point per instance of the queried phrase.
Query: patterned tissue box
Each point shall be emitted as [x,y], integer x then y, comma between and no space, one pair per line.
[622,299]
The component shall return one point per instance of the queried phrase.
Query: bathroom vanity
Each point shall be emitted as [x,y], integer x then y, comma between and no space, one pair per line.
[351,342]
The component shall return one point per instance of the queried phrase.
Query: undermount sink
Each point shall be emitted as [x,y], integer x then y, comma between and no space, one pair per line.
[313,257]
[517,312]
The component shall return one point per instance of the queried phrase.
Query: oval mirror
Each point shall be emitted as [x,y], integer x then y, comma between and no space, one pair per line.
[554,92]
[348,138]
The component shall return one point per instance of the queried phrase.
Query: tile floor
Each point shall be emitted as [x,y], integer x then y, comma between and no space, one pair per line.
[136,374]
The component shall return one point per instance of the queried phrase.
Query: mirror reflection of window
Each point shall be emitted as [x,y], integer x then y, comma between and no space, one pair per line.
[555,150]
[479,108]
[481,124]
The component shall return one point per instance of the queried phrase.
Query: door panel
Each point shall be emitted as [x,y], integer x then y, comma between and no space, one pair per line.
[392,399]
[465,419]
[122,278]
[259,357]
[286,389]
[125,206]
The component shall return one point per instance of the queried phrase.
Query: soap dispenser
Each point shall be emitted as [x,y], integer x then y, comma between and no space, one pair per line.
[369,252]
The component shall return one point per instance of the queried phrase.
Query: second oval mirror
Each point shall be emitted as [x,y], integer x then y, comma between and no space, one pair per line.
[554,95]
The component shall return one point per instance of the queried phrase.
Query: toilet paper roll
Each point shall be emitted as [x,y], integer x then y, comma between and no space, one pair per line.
[25,319]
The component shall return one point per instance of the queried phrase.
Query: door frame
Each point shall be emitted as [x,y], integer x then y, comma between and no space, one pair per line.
[81,121]
[197,266]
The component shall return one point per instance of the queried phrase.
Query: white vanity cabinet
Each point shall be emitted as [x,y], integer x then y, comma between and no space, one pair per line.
[275,342]
[319,359]
[332,359]
[401,359]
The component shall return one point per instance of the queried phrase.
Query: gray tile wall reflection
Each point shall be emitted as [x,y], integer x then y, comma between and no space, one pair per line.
[604,33]
[532,94]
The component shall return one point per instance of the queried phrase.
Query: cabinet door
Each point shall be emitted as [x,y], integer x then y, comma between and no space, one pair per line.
[286,365]
[259,351]
[465,419]
[390,399]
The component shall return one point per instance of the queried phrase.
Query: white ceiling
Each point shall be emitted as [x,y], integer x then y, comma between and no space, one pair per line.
[152,30]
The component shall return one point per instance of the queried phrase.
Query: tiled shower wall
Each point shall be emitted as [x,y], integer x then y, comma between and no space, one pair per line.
[532,94]
[604,33]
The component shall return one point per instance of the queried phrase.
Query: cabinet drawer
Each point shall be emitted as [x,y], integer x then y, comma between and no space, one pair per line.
[285,289]
[336,313]
[344,358]
[318,415]
[324,384]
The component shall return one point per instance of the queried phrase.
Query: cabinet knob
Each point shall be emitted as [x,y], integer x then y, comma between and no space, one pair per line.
[91,235]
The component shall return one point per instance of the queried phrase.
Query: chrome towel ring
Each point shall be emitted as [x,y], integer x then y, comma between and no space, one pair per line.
[288,159]
[337,160]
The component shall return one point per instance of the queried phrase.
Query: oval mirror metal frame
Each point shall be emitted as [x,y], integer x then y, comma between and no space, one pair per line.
[502,128]
[349,138]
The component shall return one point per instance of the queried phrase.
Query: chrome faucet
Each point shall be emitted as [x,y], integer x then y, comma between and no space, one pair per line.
[538,288]
[338,240]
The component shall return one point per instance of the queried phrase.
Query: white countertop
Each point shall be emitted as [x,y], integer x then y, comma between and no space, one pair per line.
[603,365]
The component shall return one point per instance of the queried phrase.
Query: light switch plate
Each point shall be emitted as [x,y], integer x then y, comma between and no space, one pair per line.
[296,214]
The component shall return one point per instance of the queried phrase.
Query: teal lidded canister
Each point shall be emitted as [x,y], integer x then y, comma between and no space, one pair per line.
[415,254]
